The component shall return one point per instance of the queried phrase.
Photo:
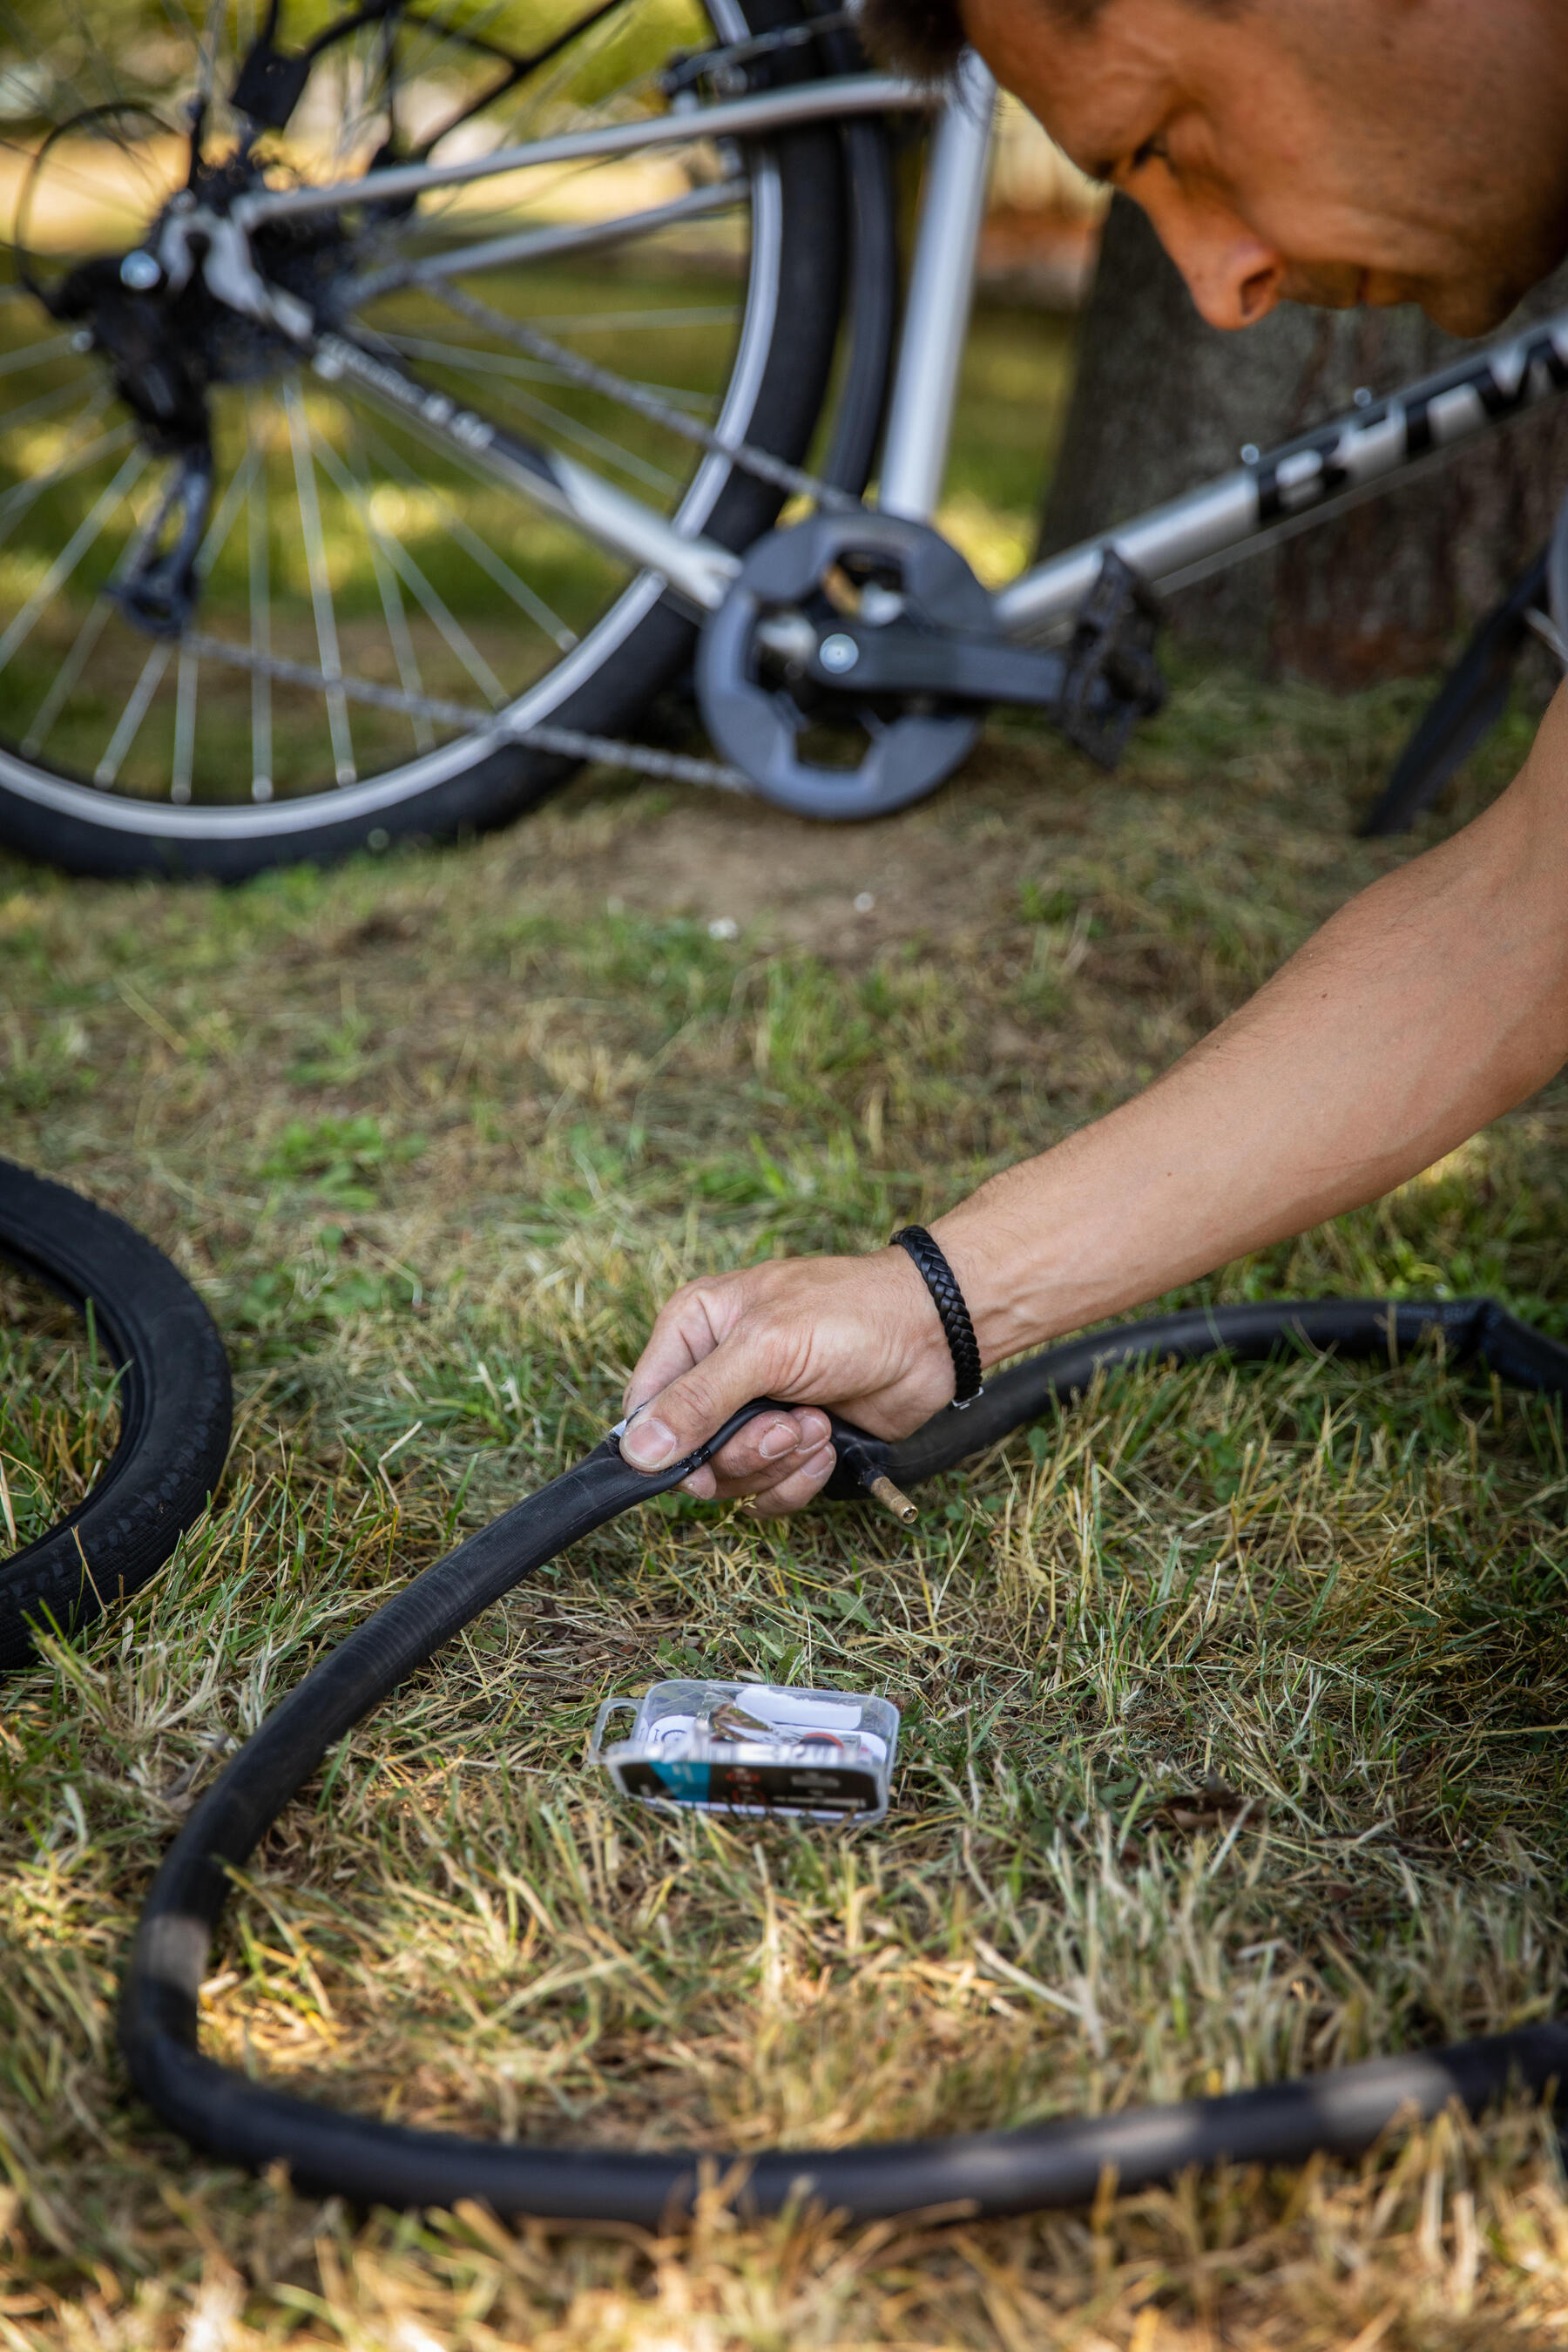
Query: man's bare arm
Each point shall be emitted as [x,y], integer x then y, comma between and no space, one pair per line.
[1435,1000]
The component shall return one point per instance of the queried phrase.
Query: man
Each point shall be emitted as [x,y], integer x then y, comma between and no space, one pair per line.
[1336,152]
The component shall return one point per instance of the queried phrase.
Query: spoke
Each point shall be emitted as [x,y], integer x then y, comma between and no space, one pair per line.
[100,64]
[16,501]
[188,676]
[212,34]
[485,556]
[597,32]
[570,428]
[260,627]
[19,33]
[222,522]
[48,403]
[397,628]
[541,243]
[476,357]
[14,361]
[434,603]
[321,585]
[473,355]
[61,175]
[535,96]
[70,555]
[69,675]
[518,71]
[66,678]
[181,25]
[134,713]
[184,729]
[713,314]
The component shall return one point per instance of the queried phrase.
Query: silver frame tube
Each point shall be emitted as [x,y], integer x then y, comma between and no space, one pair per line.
[936,309]
[1273,494]
[543,244]
[737,118]
[698,568]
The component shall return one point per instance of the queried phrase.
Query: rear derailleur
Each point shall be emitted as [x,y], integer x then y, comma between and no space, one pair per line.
[869,639]
[185,311]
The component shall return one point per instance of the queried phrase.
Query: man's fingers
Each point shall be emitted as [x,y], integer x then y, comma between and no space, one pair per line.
[759,1454]
[797,1488]
[767,1452]
[783,1469]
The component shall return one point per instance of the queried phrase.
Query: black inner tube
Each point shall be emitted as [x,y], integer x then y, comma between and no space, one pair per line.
[998,2172]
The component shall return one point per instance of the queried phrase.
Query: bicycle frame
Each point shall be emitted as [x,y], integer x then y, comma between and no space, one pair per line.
[1269,496]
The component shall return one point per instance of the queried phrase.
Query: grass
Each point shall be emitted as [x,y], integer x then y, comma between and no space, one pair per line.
[1233,1702]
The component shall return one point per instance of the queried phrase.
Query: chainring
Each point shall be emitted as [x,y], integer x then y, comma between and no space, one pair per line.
[757,708]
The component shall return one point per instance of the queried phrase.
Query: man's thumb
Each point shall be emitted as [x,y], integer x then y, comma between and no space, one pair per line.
[676,1421]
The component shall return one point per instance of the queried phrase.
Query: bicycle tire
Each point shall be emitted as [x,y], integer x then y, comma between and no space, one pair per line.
[176,1410]
[603,685]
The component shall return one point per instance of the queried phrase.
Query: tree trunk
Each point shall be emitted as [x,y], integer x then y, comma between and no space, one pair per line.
[1162,401]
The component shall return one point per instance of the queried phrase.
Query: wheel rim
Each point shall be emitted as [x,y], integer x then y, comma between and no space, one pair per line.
[301,477]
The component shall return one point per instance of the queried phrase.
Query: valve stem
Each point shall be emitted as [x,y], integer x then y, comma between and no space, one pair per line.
[892,1498]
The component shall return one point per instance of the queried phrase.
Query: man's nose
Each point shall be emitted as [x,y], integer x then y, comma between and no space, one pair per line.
[1233,277]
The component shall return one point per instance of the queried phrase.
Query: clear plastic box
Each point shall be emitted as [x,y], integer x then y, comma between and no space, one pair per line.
[754,1747]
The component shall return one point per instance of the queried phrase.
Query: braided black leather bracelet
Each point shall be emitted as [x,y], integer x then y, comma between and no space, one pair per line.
[948,1299]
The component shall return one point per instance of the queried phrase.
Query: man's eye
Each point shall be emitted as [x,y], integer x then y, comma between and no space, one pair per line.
[1153,151]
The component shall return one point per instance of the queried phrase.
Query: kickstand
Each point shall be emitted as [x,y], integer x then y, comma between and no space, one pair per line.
[1467,706]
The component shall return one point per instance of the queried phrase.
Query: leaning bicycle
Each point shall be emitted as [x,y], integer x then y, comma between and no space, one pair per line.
[395,397]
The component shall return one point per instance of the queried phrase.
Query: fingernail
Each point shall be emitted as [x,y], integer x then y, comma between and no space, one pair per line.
[647,1444]
[780,1439]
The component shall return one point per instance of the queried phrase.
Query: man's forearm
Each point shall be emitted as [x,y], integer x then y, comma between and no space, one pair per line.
[1429,1004]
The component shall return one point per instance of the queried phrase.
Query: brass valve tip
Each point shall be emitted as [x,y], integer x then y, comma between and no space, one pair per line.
[892,1498]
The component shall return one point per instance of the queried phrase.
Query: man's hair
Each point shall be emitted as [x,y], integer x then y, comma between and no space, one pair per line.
[925,39]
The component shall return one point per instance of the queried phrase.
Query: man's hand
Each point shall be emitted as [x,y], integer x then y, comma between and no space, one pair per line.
[857,1334]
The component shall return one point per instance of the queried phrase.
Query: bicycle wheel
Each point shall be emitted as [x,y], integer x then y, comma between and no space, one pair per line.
[172,1391]
[322,533]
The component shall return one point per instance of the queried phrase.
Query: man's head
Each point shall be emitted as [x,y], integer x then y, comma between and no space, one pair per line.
[1316,151]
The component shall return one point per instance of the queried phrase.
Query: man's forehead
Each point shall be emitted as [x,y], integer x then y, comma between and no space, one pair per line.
[1096,86]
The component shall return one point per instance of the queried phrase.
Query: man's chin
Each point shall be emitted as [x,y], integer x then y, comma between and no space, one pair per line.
[1465,310]
[1469,310]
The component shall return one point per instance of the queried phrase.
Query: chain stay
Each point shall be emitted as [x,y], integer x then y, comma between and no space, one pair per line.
[759,463]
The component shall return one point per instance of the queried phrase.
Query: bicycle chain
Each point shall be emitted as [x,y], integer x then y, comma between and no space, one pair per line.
[568,743]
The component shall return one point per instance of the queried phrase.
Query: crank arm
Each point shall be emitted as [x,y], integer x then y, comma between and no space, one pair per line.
[953,664]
